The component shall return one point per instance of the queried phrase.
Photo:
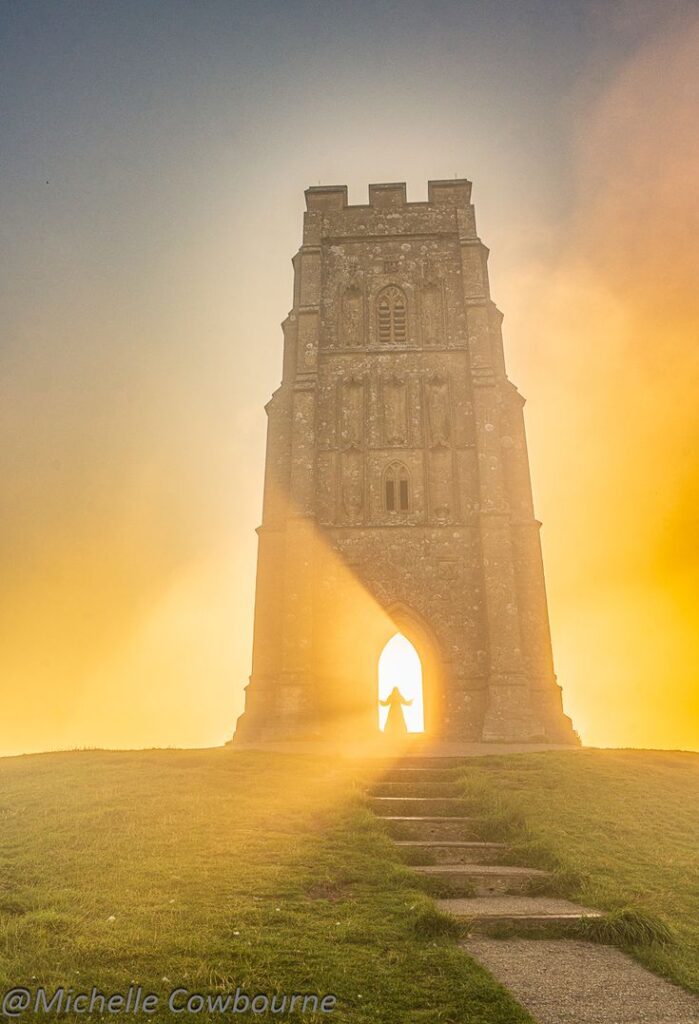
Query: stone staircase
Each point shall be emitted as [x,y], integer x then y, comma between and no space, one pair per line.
[419,803]
[555,976]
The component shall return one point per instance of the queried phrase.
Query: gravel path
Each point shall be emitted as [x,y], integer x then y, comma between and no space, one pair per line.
[568,982]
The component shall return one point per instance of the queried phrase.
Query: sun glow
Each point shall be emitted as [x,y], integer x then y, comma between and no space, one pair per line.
[147,259]
[399,665]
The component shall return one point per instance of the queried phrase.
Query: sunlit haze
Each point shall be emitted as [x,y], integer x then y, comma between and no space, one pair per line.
[154,162]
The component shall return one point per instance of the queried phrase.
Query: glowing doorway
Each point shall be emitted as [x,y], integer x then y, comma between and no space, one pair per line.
[399,666]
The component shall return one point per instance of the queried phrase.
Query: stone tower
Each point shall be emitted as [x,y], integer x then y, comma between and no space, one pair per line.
[397,490]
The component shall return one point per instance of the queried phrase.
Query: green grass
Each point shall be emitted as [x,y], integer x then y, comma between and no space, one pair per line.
[213,869]
[620,831]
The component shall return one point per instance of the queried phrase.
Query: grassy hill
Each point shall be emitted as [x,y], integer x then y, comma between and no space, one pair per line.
[212,869]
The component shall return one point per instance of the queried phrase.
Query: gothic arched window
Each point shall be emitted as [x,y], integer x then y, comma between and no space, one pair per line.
[396,488]
[392,315]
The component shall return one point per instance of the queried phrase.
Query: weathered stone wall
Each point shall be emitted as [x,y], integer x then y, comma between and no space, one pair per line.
[397,486]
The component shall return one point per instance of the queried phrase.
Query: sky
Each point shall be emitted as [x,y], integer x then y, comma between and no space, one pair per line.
[154,157]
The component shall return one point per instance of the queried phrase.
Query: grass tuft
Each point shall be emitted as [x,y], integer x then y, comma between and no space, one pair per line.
[416,857]
[628,927]
[564,882]
[13,907]
[47,920]
[428,922]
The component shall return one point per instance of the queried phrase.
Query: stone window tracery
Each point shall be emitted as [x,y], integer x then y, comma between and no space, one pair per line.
[396,488]
[392,316]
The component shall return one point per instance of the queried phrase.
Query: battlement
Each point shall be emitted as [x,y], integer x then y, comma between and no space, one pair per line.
[390,195]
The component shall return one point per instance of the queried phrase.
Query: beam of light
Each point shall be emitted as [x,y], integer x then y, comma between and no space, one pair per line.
[399,665]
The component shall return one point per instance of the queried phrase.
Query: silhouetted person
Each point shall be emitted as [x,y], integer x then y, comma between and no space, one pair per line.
[395,723]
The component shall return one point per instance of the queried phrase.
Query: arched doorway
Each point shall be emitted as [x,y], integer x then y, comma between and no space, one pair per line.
[400,666]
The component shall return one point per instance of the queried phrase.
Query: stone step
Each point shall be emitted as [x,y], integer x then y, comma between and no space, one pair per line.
[414,788]
[519,914]
[477,879]
[440,763]
[443,806]
[421,775]
[432,828]
[454,851]
[430,762]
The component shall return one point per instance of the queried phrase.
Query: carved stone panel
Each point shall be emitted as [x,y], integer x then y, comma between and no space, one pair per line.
[438,412]
[441,483]
[325,486]
[352,413]
[352,317]
[352,486]
[395,412]
[432,314]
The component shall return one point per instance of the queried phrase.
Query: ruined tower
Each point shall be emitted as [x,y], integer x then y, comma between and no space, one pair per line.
[397,489]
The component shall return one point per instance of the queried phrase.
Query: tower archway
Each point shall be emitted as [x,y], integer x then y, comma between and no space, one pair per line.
[400,619]
[400,669]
